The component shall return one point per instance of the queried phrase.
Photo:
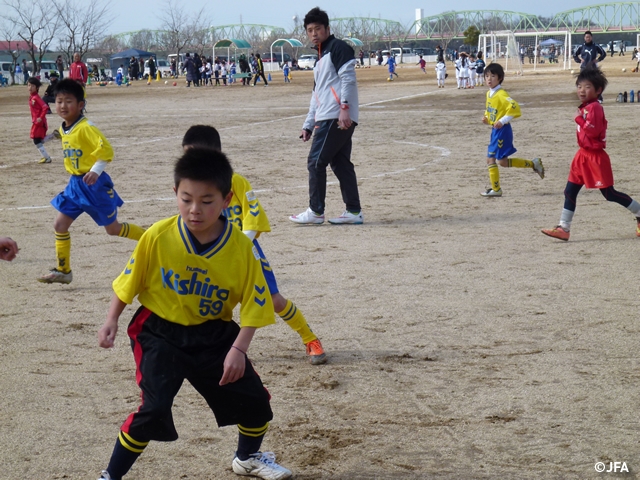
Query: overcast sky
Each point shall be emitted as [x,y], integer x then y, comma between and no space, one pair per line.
[140,14]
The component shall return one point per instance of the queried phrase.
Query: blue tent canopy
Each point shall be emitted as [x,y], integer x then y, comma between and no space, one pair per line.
[550,41]
[123,57]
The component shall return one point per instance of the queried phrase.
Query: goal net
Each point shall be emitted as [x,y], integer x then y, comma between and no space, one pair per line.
[533,51]
[501,47]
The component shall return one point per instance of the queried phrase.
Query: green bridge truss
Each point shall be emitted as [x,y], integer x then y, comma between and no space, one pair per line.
[606,17]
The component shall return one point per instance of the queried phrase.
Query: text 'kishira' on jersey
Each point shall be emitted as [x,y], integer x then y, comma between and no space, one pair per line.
[182,286]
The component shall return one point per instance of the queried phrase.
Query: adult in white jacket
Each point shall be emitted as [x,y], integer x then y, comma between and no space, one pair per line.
[332,118]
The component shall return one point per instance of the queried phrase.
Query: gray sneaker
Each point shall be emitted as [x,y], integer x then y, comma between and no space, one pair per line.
[348,218]
[104,475]
[261,465]
[538,167]
[56,276]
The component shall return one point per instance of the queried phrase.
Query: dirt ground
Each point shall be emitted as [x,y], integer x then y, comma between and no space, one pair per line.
[462,343]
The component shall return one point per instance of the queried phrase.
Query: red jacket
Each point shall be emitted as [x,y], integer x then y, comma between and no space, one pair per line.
[38,110]
[78,71]
[592,126]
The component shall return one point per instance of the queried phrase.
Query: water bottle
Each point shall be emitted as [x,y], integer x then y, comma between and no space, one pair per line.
[631,96]
[619,98]
[624,96]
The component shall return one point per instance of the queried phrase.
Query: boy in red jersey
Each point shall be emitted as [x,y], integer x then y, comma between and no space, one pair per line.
[38,118]
[591,166]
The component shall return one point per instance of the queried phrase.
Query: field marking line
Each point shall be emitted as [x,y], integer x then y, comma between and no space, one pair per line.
[444,152]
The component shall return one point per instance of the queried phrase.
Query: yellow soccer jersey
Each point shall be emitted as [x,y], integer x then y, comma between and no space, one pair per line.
[83,145]
[500,105]
[182,286]
[244,209]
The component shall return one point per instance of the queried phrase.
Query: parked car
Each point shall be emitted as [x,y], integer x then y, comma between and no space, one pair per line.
[277,57]
[161,65]
[307,62]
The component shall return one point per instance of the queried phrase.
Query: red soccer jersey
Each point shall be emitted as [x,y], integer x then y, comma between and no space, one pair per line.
[78,71]
[38,110]
[592,126]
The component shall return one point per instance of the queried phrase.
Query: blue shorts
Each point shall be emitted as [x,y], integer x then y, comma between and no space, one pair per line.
[99,200]
[501,143]
[269,276]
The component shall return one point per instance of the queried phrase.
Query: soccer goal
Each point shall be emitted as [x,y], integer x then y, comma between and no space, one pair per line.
[533,51]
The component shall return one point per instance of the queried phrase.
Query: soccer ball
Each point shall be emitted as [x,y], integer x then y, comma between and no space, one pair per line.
[148,82]
[175,84]
[388,79]
[624,69]
[572,72]
[166,82]
[110,82]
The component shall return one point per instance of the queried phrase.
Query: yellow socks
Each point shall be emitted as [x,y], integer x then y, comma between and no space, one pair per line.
[63,251]
[520,163]
[129,230]
[295,319]
[494,176]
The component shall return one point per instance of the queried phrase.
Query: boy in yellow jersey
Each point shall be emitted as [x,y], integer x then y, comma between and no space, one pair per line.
[90,189]
[501,109]
[189,272]
[247,214]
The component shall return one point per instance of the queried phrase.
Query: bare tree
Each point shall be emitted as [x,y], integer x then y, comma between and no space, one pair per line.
[8,34]
[143,40]
[110,45]
[35,25]
[84,26]
[181,29]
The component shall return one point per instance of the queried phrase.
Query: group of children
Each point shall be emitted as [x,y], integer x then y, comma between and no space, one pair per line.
[188,273]
[469,70]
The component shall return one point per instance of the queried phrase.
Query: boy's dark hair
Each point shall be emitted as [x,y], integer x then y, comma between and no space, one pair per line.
[35,81]
[496,69]
[588,32]
[71,87]
[204,165]
[593,75]
[202,136]
[315,15]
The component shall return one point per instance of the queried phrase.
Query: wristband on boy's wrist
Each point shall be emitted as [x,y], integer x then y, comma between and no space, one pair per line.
[239,349]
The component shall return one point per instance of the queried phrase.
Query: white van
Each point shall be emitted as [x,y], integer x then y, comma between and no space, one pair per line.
[401,51]
[162,66]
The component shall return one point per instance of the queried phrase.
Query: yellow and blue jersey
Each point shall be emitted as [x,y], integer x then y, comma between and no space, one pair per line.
[244,208]
[83,144]
[182,286]
[500,105]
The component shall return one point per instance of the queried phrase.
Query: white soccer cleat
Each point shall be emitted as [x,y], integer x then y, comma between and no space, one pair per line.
[308,217]
[348,218]
[538,167]
[104,475]
[492,193]
[261,465]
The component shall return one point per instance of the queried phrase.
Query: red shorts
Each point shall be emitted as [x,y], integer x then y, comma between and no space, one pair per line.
[591,168]
[39,130]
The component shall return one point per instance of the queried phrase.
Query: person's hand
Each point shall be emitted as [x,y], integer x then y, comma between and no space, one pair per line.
[90,178]
[498,125]
[344,120]
[485,120]
[107,333]
[305,135]
[234,364]
[38,120]
[8,249]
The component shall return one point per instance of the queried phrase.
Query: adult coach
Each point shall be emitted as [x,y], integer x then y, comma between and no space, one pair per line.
[332,117]
[589,54]
[78,70]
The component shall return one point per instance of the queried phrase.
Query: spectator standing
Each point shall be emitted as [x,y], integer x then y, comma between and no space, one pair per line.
[78,70]
[60,67]
[25,71]
[190,68]
[259,71]
[332,118]
[152,68]
[589,54]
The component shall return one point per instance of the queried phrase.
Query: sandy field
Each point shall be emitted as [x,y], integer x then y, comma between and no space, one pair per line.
[462,343]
